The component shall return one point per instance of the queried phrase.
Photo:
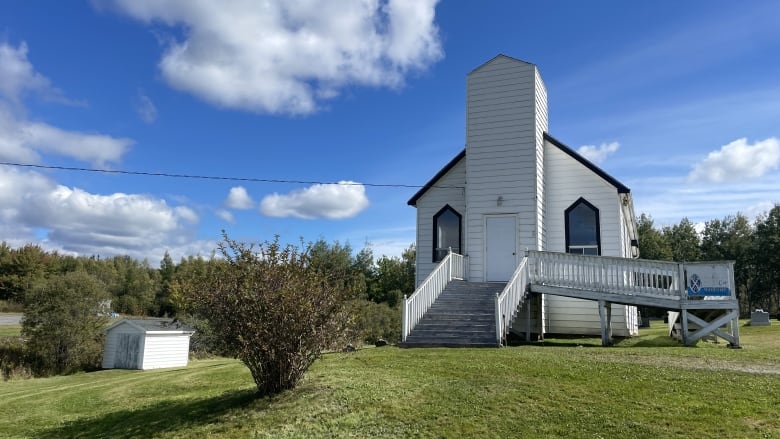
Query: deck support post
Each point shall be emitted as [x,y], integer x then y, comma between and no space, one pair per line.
[707,328]
[605,315]
[684,327]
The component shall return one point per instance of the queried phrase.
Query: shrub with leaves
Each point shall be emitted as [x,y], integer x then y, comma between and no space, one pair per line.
[14,361]
[62,324]
[374,321]
[272,308]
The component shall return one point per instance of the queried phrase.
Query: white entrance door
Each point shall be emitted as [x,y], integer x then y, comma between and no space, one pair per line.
[500,248]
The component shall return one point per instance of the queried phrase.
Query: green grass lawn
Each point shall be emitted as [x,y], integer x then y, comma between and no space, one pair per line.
[10,330]
[647,386]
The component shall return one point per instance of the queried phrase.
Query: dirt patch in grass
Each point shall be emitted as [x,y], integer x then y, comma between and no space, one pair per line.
[693,363]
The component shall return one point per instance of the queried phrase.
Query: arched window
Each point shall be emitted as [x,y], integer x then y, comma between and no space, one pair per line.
[583,234]
[446,232]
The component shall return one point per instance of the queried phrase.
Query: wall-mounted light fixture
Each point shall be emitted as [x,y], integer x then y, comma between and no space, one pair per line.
[500,201]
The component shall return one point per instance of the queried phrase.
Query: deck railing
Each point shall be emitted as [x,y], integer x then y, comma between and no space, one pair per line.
[628,276]
[510,299]
[414,307]
[607,274]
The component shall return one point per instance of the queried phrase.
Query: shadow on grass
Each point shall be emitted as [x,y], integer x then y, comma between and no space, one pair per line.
[152,420]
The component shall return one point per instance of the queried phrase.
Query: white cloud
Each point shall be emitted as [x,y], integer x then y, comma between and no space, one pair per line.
[284,56]
[17,75]
[597,154]
[80,222]
[738,161]
[760,208]
[332,201]
[226,215]
[238,198]
[390,247]
[23,140]
[145,108]
[668,199]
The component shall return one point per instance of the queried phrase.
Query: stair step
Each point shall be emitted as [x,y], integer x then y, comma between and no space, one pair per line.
[462,316]
[436,344]
[456,326]
[452,338]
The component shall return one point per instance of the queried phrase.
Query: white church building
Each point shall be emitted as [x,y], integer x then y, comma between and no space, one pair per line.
[514,188]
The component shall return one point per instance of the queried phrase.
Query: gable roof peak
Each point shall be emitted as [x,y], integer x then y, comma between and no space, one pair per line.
[501,56]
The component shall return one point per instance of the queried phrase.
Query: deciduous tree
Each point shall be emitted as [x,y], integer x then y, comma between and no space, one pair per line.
[62,323]
[652,243]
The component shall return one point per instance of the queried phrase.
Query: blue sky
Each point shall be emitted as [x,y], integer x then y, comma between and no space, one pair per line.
[678,100]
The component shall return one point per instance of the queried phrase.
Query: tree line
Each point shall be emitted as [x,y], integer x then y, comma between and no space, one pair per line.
[137,288]
[67,299]
[754,248]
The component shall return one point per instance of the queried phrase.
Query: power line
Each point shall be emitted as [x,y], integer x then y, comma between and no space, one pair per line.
[214,177]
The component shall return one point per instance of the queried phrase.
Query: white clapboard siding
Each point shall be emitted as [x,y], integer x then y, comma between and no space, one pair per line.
[540,98]
[130,344]
[448,191]
[503,139]
[112,343]
[164,350]
[567,315]
[568,180]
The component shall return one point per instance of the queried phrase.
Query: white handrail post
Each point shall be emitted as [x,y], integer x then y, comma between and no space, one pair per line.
[449,264]
[499,328]
[405,320]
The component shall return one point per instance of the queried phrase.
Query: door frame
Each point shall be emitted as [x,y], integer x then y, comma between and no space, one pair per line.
[485,219]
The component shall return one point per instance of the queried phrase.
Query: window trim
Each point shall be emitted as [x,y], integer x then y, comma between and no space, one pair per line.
[595,209]
[435,240]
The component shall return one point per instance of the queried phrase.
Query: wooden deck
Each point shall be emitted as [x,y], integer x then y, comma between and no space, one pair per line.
[682,287]
[689,288]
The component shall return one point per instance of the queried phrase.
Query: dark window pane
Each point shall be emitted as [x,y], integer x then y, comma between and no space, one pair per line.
[582,226]
[447,229]
[582,234]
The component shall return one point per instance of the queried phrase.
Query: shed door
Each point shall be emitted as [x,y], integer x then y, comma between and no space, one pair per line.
[500,248]
[128,350]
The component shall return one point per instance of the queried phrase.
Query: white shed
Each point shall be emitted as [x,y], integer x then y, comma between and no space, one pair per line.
[146,344]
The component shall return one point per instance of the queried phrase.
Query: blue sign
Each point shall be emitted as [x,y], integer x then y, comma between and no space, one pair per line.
[697,288]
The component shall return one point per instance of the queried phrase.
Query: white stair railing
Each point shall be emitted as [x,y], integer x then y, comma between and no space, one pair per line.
[510,299]
[415,307]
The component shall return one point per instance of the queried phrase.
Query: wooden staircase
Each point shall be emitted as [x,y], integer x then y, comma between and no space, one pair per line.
[462,316]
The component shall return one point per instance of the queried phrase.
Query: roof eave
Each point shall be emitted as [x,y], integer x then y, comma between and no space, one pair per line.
[413,201]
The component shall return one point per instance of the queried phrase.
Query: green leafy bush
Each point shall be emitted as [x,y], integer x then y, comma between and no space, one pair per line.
[373,321]
[13,359]
[10,306]
[272,309]
[62,324]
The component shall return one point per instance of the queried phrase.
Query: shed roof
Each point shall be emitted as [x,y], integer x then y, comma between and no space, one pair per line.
[157,325]
[621,188]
